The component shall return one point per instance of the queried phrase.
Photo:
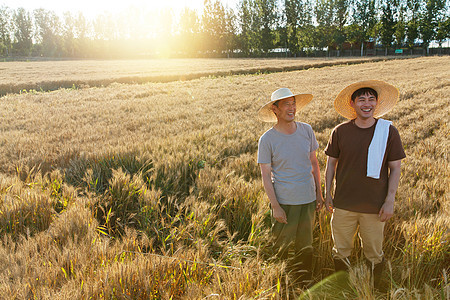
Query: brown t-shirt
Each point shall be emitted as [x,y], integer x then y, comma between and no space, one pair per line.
[354,190]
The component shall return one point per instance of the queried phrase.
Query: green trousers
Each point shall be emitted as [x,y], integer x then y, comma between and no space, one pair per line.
[297,234]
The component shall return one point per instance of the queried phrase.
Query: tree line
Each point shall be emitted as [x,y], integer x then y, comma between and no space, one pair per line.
[254,28]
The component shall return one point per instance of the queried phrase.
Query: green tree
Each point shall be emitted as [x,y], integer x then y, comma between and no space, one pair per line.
[386,29]
[281,33]
[292,10]
[81,35]
[189,30]
[105,27]
[412,24]
[323,13]
[230,31]
[245,24]
[48,32]
[433,12]
[23,32]
[364,18]
[306,30]
[214,27]
[340,17]
[265,19]
[5,31]
[68,34]
[297,19]
[443,30]
[400,23]
[105,34]
[331,18]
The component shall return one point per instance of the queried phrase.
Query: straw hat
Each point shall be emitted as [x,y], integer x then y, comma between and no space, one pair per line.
[266,114]
[387,98]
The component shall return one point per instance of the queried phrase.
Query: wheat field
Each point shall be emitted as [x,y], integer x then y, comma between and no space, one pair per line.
[25,76]
[138,191]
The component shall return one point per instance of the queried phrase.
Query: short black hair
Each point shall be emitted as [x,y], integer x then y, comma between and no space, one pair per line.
[363,91]
[276,103]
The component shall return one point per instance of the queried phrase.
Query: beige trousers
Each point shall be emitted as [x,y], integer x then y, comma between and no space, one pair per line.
[344,224]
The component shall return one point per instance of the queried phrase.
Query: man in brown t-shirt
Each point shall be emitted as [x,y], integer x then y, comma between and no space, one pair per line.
[361,198]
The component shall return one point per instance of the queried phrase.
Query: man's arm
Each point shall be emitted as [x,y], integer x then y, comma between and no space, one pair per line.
[387,210]
[278,212]
[329,176]
[316,175]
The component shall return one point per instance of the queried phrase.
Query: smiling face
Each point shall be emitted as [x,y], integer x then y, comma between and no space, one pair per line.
[285,109]
[364,105]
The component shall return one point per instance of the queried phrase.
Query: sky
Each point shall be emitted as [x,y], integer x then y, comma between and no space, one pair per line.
[91,8]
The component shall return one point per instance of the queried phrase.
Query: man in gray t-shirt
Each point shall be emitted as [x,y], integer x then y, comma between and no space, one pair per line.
[291,178]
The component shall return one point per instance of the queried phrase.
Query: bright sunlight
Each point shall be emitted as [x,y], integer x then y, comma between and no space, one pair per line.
[136,28]
[91,9]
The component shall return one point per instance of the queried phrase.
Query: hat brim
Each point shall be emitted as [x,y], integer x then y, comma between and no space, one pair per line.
[387,98]
[266,114]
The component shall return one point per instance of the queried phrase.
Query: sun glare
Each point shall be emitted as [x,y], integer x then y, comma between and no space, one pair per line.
[91,9]
[144,24]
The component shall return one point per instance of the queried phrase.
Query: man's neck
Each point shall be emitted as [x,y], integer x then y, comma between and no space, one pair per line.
[364,123]
[286,127]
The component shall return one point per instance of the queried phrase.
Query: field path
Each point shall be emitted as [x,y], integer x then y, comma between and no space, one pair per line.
[20,77]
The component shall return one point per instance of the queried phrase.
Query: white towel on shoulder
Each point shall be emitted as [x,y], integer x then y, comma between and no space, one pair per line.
[377,148]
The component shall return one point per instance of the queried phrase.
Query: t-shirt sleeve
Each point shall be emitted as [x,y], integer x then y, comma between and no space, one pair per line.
[264,151]
[395,147]
[332,148]
[314,143]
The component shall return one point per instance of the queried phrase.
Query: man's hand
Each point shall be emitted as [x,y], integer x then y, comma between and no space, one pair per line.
[329,176]
[316,175]
[279,214]
[329,203]
[387,210]
[319,202]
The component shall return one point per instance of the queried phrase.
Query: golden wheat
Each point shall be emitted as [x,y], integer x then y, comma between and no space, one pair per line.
[152,190]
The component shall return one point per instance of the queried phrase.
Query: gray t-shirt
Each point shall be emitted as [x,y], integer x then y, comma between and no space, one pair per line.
[289,156]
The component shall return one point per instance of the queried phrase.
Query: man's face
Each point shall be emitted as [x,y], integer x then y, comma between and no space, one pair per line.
[364,106]
[285,110]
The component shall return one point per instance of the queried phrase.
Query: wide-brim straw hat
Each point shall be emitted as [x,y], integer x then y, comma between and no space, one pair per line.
[387,98]
[266,114]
